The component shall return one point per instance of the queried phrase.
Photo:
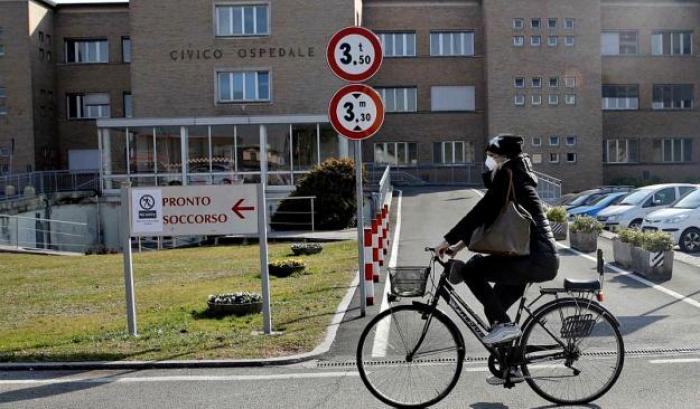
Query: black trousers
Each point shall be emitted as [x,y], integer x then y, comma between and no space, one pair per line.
[510,276]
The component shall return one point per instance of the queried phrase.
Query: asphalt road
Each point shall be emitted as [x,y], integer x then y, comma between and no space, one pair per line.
[657,323]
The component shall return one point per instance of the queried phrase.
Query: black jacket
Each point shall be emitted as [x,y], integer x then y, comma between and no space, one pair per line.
[488,208]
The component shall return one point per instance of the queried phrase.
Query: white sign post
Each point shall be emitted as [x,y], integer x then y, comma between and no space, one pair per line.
[193,210]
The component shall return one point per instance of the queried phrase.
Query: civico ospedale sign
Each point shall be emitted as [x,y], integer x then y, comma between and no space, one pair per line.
[247,53]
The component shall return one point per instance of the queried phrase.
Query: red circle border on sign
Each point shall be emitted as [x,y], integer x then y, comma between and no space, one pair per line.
[354,135]
[378,54]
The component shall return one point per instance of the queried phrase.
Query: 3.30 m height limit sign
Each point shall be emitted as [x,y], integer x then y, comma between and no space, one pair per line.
[354,54]
[356,111]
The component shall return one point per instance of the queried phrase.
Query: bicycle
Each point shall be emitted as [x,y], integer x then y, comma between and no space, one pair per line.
[570,351]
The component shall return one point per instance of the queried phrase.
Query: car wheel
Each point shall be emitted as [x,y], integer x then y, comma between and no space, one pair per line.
[636,224]
[690,240]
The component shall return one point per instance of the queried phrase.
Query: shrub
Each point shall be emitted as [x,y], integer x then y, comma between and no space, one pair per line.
[632,236]
[586,224]
[234,298]
[557,214]
[333,184]
[657,241]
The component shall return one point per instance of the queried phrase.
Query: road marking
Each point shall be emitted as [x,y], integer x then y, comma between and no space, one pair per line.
[631,275]
[381,337]
[675,361]
[190,378]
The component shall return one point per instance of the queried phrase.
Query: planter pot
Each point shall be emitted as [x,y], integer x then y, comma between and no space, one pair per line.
[560,230]
[622,252]
[585,242]
[235,309]
[306,251]
[656,266]
[283,271]
[10,190]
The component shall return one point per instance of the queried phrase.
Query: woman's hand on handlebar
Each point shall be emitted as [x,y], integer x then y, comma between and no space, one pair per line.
[456,248]
[441,248]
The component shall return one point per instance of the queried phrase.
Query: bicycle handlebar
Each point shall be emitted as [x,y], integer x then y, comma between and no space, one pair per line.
[435,256]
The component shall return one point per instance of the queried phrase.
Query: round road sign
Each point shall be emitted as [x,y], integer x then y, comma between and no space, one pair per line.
[354,54]
[356,111]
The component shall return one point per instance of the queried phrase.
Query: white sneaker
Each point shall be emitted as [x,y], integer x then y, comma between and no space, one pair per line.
[515,376]
[502,333]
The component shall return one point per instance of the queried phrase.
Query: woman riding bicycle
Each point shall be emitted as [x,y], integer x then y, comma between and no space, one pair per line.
[511,274]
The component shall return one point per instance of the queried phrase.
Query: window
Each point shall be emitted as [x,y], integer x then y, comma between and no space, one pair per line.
[48,39]
[620,97]
[518,41]
[396,153]
[554,82]
[571,157]
[553,157]
[518,24]
[243,86]
[569,41]
[2,31]
[552,23]
[619,42]
[535,23]
[519,82]
[2,50]
[41,54]
[536,82]
[3,110]
[673,150]
[554,100]
[398,44]
[553,141]
[536,99]
[621,151]
[48,56]
[242,20]
[3,92]
[672,96]
[570,99]
[87,51]
[452,98]
[41,36]
[128,105]
[535,41]
[126,50]
[536,141]
[552,41]
[88,106]
[672,43]
[399,99]
[536,158]
[571,140]
[569,23]
[452,43]
[519,100]
[570,82]
[453,152]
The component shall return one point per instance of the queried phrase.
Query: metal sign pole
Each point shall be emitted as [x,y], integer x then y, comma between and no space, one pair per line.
[128,261]
[360,227]
[262,232]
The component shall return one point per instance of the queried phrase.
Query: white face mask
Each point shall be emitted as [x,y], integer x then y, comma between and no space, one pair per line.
[491,163]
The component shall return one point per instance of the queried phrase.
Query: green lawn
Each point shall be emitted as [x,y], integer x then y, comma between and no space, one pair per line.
[73,308]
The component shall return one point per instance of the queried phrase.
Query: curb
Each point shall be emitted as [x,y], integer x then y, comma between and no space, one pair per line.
[320,350]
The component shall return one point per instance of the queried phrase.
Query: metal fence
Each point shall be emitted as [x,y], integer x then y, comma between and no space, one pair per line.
[466,174]
[45,234]
[549,188]
[308,218]
[16,185]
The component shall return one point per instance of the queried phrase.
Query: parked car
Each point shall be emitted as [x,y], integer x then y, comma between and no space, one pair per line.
[630,212]
[589,197]
[601,202]
[682,221]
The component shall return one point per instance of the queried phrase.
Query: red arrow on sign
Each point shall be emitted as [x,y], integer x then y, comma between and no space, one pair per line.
[237,208]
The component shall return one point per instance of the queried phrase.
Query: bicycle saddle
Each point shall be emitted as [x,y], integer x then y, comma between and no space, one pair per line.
[571,284]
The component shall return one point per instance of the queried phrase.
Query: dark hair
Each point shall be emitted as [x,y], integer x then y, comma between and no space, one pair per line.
[508,145]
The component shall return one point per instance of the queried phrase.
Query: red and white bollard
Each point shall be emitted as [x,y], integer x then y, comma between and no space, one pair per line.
[375,250]
[369,267]
[380,235]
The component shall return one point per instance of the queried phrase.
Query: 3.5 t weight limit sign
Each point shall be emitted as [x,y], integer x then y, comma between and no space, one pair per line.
[354,54]
[356,111]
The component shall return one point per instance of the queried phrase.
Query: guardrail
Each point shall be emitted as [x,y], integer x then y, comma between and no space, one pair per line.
[43,234]
[273,210]
[548,188]
[466,174]
[16,185]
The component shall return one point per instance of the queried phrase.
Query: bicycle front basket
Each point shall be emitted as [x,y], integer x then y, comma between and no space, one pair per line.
[409,281]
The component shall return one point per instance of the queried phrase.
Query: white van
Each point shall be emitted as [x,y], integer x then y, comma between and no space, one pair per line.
[632,210]
[682,221]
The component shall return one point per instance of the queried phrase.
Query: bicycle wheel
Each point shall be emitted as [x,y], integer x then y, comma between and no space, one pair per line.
[586,361]
[394,376]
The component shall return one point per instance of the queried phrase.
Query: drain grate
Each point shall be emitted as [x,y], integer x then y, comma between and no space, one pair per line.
[633,352]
